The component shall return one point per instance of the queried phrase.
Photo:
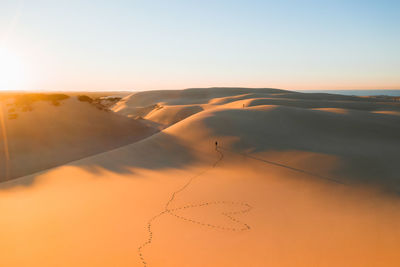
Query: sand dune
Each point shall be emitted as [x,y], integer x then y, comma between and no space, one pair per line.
[169,115]
[145,103]
[366,145]
[47,136]
[290,185]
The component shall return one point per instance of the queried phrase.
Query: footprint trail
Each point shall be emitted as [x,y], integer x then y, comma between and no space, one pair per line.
[240,226]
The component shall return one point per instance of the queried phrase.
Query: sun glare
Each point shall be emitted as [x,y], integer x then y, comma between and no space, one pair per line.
[12,71]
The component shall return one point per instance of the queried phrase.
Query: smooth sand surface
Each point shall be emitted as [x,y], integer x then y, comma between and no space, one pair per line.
[290,185]
[48,135]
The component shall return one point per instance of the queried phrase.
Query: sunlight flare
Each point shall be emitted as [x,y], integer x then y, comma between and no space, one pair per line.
[4,139]
[12,71]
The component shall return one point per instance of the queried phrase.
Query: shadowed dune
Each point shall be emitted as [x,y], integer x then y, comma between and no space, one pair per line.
[324,103]
[367,145]
[47,136]
[169,115]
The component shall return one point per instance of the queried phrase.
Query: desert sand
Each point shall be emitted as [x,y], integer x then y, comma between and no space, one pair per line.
[42,135]
[296,180]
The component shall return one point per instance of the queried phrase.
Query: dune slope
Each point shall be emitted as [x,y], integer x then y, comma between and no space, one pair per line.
[49,135]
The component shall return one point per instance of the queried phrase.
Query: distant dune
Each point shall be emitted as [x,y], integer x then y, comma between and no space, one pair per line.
[295,180]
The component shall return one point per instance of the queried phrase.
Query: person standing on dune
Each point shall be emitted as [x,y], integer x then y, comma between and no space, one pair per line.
[216,145]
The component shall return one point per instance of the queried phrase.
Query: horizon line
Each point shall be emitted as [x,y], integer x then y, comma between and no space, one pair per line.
[186,88]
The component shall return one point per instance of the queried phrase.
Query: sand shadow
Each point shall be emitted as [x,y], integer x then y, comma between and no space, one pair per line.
[157,152]
[161,151]
[367,145]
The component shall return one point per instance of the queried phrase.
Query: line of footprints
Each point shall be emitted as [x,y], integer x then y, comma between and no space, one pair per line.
[240,226]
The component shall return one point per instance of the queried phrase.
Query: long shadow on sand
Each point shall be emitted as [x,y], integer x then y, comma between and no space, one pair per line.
[160,151]
[366,144]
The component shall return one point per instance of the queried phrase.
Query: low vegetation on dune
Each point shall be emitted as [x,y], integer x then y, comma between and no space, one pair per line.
[85,98]
[28,99]
[102,103]
[24,102]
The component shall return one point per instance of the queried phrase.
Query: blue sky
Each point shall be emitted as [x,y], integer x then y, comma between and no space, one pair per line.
[122,45]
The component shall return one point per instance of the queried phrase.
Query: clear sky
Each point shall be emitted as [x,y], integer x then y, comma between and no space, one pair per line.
[166,44]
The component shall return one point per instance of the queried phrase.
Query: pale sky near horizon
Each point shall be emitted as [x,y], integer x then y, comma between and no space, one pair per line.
[154,44]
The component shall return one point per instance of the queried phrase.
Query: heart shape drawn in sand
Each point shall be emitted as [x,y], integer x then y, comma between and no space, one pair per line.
[236,225]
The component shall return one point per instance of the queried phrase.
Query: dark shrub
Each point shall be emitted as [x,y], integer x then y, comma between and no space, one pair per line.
[27,99]
[55,103]
[85,98]
[12,116]
[55,97]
